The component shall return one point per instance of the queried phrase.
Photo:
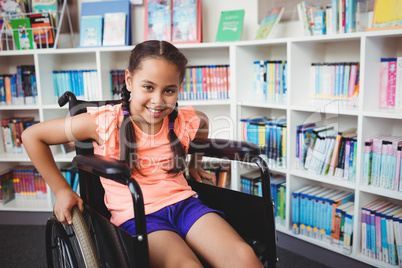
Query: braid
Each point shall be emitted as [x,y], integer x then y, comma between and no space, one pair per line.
[128,146]
[175,145]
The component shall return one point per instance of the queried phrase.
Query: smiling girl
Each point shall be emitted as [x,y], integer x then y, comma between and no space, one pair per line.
[152,135]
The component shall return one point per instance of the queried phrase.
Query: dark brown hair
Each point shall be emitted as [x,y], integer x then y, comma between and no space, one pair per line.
[128,150]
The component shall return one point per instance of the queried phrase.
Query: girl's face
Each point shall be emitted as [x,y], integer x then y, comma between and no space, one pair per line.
[154,91]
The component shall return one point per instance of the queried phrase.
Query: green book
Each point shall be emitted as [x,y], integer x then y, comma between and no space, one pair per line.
[230,25]
[23,35]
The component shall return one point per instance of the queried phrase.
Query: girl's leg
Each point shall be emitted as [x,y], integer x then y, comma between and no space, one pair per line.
[168,249]
[214,240]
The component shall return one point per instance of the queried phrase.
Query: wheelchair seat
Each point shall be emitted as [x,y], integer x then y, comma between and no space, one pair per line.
[251,216]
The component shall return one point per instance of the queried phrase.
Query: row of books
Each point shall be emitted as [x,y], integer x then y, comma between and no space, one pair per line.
[324,214]
[270,135]
[103,30]
[19,88]
[11,130]
[336,81]
[22,183]
[210,82]
[391,83]
[117,80]
[270,80]
[338,17]
[382,162]
[381,230]
[83,83]
[325,151]
[250,183]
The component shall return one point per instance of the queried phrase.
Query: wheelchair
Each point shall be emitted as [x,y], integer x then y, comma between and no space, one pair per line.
[93,241]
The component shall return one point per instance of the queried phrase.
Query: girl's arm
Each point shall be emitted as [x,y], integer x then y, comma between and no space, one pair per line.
[195,165]
[36,140]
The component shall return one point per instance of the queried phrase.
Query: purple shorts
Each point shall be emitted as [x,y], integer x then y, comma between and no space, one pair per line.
[178,217]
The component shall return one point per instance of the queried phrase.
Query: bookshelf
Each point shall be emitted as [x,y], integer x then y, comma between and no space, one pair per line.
[299,52]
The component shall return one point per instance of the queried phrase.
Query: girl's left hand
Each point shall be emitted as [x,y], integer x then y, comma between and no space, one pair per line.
[198,173]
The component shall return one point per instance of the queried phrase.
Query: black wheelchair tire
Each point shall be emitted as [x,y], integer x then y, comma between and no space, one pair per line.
[70,246]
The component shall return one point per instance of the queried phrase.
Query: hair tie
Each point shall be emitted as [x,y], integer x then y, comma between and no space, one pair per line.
[171,125]
[126,113]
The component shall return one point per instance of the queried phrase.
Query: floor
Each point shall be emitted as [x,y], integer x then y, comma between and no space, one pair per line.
[24,246]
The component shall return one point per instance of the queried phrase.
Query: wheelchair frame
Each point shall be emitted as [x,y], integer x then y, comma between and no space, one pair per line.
[243,211]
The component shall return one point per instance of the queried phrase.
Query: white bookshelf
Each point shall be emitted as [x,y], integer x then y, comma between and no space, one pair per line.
[224,115]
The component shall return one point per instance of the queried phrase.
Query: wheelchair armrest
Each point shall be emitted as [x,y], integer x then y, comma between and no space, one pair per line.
[221,148]
[103,166]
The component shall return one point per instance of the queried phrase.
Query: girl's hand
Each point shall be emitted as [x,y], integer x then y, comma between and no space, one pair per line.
[198,173]
[66,199]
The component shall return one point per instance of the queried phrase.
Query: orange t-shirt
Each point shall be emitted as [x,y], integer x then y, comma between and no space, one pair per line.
[159,188]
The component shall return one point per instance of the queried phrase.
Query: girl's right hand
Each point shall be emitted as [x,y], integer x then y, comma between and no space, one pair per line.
[66,199]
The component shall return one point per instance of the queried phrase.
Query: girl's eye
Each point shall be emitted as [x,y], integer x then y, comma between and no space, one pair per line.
[169,91]
[148,87]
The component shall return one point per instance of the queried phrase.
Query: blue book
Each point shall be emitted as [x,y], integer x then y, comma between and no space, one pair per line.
[316,210]
[391,235]
[303,209]
[2,90]
[309,203]
[296,208]
[91,31]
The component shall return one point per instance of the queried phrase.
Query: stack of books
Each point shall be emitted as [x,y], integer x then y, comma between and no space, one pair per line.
[19,88]
[12,129]
[250,183]
[270,135]
[324,214]
[324,151]
[205,83]
[338,17]
[335,82]
[270,81]
[381,225]
[382,162]
[83,83]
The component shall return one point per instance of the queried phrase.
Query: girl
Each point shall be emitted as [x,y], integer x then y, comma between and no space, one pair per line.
[148,132]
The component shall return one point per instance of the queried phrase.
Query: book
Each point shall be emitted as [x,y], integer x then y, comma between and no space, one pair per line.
[42,28]
[7,192]
[11,9]
[303,209]
[23,35]
[48,6]
[270,22]
[230,26]
[114,33]
[91,31]
[186,21]
[387,14]
[158,20]
[319,22]
[337,230]
[348,231]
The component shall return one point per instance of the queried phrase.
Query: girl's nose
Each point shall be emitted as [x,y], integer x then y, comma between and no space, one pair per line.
[157,98]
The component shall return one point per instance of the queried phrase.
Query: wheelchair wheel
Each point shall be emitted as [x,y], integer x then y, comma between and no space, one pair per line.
[70,246]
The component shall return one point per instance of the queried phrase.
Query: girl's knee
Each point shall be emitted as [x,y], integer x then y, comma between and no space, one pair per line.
[189,263]
[246,255]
